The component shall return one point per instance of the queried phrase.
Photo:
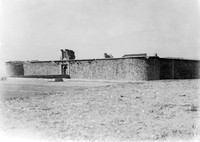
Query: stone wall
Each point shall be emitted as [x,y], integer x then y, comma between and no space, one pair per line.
[153,68]
[179,69]
[42,68]
[14,69]
[112,69]
[166,69]
[187,69]
[136,68]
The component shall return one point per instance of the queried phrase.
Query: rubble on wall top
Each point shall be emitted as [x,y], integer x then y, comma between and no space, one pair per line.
[67,54]
[135,55]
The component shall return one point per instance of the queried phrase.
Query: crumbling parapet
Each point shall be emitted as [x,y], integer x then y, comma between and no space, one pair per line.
[67,54]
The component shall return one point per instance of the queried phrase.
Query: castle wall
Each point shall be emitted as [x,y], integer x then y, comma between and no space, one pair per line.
[179,69]
[136,68]
[186,69]
[115,69]
[166,69]
[42,68]
[153,68]
[14,69]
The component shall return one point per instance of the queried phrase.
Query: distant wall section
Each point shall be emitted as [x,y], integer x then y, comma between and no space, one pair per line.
[179,69]
[186,69]
[115,69]
[14,69]
[153,68]
[133,68]
[42,68]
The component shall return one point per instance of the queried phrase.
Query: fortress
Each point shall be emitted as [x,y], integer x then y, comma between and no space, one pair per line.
[133,67]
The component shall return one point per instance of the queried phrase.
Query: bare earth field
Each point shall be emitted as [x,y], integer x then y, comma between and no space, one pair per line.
[78,110]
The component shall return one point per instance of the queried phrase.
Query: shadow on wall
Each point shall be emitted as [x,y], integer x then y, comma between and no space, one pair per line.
[179,69]
[47,76]
[15,69]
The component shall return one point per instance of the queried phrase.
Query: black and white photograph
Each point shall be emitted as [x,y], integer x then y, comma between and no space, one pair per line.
[99,70]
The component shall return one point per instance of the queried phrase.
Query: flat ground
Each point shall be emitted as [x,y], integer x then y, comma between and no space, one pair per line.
[80,110]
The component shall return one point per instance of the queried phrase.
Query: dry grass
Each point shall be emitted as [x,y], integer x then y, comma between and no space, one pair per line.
[154,110]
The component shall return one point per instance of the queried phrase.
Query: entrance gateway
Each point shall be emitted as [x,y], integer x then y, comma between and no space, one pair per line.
[66,54]
[64,69]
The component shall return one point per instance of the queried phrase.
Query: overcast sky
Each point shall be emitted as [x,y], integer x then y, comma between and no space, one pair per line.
[38,29]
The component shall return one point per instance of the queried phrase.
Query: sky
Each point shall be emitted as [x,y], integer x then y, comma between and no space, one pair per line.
[38,29]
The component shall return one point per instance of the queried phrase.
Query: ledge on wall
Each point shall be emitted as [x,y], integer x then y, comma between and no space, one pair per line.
[44,76]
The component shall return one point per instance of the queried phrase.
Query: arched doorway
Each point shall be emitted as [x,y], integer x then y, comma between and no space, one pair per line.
[64,69]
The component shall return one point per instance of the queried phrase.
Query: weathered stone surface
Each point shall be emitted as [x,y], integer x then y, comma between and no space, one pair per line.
[179,69]
[42,68]
[15,68]
[138,68]
[67,54]
[112,69]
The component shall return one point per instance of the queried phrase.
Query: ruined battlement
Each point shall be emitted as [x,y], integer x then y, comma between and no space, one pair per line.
[67,54]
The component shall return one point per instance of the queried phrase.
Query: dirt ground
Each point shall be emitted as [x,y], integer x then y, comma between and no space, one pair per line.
[100,111]
[26,87]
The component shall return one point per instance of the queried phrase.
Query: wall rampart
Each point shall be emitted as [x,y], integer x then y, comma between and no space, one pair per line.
[135,68]
[14,69]
[186,69]
[153,68]
[114,69]
[43,68]
[179,69]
